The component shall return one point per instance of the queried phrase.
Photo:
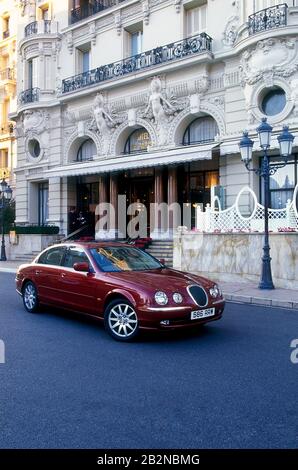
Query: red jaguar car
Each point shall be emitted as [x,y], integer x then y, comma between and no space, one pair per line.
[120,284]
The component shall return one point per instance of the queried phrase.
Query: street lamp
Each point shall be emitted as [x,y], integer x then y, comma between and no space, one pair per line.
[5,197]
[285,140]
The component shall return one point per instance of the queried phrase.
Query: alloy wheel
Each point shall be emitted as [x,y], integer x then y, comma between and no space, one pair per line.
[30,297]
[123,320]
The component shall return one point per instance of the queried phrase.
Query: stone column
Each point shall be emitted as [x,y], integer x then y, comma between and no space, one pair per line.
[156,212]
[114,203]
[54,201]
[172,199]
[101,228]
[103,189]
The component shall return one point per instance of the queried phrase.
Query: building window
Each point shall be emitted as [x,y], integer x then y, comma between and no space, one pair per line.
[133,40]
[86,151]
[201,130]
[3,158]
[43,201]
[83,58]
[282,183]
[138,141]
[273,101]
[33,73]
[34,148]
[196,20]
[5,25]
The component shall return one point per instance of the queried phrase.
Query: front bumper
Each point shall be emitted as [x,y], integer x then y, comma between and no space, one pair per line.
[177,317]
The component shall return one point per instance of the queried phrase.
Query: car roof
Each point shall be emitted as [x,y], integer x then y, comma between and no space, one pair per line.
[95,244]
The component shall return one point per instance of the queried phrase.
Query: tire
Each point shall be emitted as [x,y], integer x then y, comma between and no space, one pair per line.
[30,297]
[121,320]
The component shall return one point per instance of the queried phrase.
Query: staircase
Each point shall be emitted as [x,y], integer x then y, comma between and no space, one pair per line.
[26,257]
[162,249]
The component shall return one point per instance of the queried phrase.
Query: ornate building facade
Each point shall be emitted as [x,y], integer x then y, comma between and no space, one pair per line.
[8,102]
[148,98]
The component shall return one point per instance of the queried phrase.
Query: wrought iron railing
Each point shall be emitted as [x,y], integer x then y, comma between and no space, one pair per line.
[174,51]
[269,18]
[6,34]
[7,74]
[30,29]
[6,128]
[29,96]
[84,11]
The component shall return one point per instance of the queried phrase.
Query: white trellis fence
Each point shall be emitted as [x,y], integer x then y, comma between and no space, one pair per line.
[232,220]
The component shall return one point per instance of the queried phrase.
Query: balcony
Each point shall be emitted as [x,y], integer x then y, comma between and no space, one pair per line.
[269,18]
[88,8]
[7,74]
[146,60]
[29,96]
[40,27]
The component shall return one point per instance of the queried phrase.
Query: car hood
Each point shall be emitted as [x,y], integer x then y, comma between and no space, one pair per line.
[161,279]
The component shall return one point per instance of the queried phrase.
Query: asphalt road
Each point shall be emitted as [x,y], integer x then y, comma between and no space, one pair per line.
[67,384]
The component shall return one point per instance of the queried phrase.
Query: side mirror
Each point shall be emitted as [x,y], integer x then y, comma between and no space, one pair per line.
[162,261]
[81,267]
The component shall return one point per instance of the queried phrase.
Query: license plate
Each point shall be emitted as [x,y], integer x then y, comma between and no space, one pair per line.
[198,314]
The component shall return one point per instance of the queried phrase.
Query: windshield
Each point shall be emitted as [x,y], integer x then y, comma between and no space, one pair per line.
[115,258]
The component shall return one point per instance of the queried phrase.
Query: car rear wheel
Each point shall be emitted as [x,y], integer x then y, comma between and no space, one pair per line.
[30,297]
[121,320]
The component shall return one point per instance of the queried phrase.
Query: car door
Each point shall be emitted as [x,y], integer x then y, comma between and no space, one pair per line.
[79,288]
[47,273]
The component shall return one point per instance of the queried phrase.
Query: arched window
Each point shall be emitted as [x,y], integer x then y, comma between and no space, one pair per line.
[138,141]
[202,129]
[86,151]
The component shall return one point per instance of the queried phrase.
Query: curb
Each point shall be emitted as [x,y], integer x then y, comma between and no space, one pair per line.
[8,270]
[260,301]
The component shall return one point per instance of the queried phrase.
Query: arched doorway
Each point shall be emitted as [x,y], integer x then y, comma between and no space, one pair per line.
[195,183]
[137,142]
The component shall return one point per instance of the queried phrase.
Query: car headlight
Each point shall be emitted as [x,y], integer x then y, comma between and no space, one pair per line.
[161,298]
[177,298]
[215,291]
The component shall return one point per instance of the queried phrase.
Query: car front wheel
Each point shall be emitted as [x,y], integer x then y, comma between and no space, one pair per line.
[121,320]
[30,297]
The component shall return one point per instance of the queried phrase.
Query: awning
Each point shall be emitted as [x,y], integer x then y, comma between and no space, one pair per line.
[126,162]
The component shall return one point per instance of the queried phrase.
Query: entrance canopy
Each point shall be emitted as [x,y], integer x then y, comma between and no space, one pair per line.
[141,160]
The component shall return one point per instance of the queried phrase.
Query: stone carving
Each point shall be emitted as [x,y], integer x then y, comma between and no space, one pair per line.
[270,58]
[103,121]
[294,95]
[92,32]
[177,5]
[160,109]
[69,41]
[146,11]
[202,84]
[22,6]
[118,23]
[35,122]
[230,32]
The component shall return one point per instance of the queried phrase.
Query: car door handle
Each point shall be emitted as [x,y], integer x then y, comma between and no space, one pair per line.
[38,272]
[63,274]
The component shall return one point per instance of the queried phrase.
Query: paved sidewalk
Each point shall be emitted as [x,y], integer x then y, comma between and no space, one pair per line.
[9,266]
[243,292]
[248,292]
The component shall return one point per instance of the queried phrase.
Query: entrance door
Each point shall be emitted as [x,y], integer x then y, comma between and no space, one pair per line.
[138,189]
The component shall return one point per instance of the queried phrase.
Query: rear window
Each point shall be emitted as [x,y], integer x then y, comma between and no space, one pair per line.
[53,256]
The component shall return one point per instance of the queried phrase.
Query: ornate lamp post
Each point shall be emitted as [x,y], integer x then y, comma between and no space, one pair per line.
[285,140]
[5,197]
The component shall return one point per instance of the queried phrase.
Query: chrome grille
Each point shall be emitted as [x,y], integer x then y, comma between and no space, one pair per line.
[198,294]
